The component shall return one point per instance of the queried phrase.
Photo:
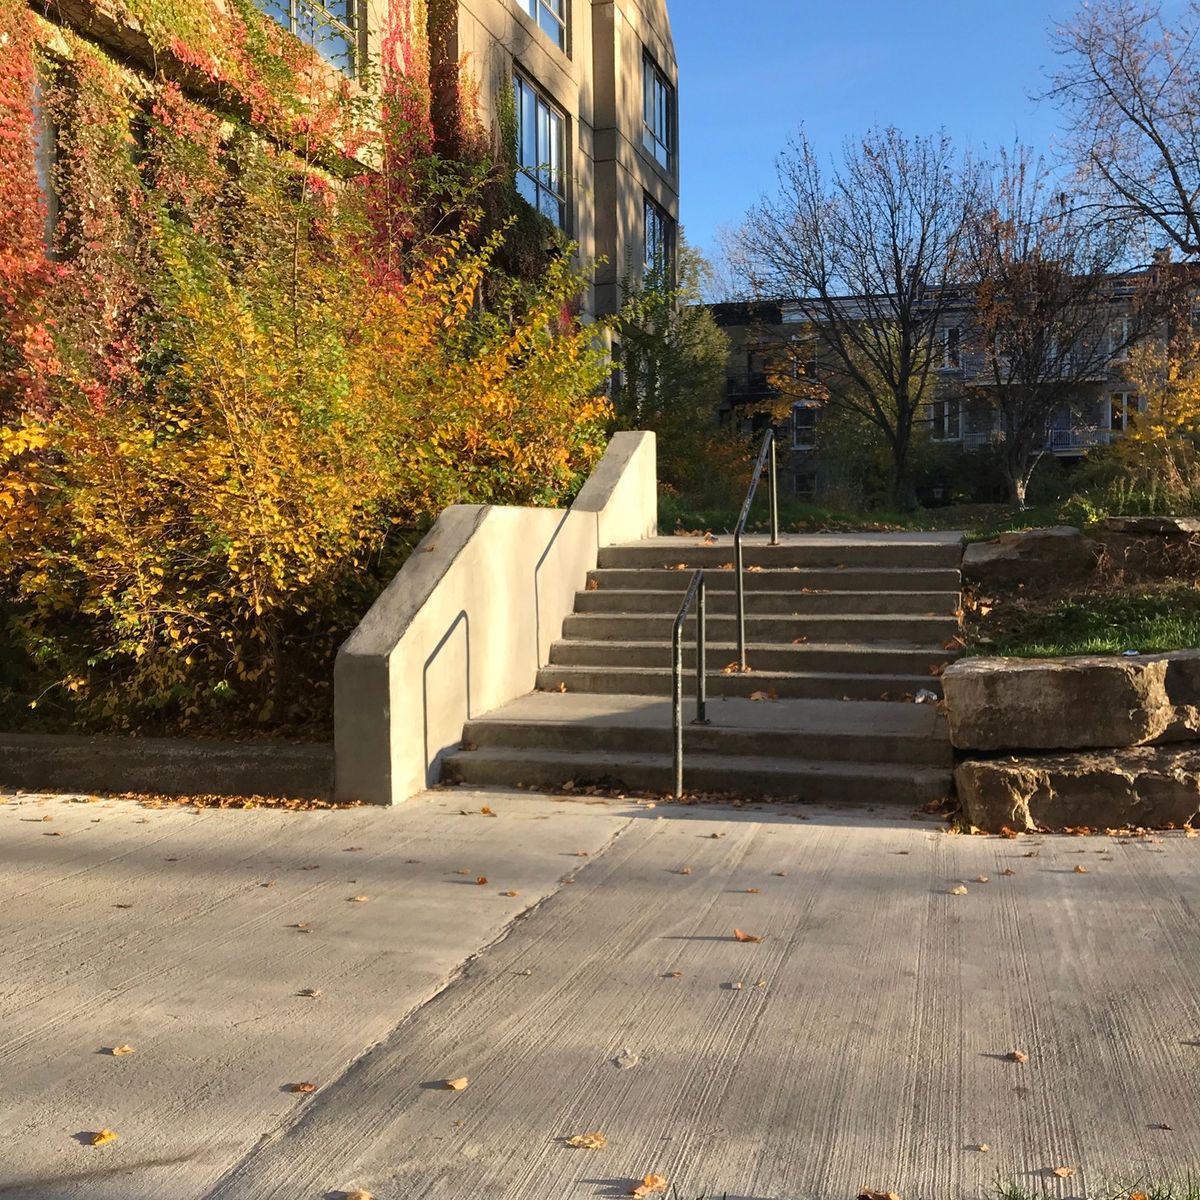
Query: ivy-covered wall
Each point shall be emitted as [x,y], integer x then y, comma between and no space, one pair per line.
[275,331]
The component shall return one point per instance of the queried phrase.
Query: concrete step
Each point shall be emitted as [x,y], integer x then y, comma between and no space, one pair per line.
[847,659]
[807,729]
[815,685]
[902,629]
[786,579]
[641,600]
[794,550]
[815,781]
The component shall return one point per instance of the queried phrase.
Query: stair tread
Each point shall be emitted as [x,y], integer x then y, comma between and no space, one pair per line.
[883,718]
[712,645]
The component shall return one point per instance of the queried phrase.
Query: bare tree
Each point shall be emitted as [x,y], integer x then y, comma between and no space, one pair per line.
[1129,84]
[1050,306]
[867,256]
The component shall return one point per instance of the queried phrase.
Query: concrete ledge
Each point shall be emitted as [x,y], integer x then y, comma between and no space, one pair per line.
[192,767]
[1149,787]
[469,620]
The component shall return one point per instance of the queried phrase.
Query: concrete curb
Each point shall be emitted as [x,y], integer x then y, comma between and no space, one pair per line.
[170,766]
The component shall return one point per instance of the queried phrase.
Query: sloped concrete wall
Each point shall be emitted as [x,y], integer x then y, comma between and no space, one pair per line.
[469,619]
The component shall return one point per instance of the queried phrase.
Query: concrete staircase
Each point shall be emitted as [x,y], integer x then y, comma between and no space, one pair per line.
[842,631]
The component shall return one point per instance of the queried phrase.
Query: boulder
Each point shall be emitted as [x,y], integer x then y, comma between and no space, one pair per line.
[1157,526]
[1058,555]
[1095,701]
[1150,787]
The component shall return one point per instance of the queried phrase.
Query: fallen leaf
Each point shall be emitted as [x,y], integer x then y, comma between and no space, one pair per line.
[581,854]
[1161,1125]
[871,1194]
[983,1147]
[510,894]
[52,833]
[746,937]
[487,811]
[481,880]
[48,817]
[759,696]
[309,993]
[562,687]
[752,891]
[588,1141]
[303,926]
[685,870]
[1063,1172]
[714,836]
[649,1185]
[457,1085]
[1018,1056]
[674,975]
[304,1087]
[760,983]
[103,1137]
[1008,871]
[462,871]
[359,899]
[737,987]
[358,1194]
[982,879]
[118,1051]
[593,585]
[957,891]
[1080,869]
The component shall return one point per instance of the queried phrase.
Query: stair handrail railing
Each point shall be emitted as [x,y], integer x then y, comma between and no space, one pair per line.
[695,594]
[765,454]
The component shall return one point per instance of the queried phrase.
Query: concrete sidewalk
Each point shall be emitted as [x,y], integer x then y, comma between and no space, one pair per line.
[865,1046]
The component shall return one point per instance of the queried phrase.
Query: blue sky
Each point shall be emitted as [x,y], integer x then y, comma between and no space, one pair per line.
[752,71]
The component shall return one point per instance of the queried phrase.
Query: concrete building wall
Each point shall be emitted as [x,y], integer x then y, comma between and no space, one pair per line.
[597,83]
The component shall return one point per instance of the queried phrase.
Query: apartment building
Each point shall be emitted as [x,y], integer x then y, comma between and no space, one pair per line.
[595,83]
[595,86]
[774,353]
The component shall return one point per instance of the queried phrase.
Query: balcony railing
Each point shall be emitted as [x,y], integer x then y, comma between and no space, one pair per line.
[1081,437]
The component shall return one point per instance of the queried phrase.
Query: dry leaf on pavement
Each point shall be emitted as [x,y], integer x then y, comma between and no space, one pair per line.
[103,1137]
[359,899]
[872,1194]
[957,891]
[358,1194]
[588,1141]
[457,1085]
[510,893]
[487,811]
[117,1051]
[481,880]
[1063,1172]
[1017,1056]
[304,1087]
[983,1147]
[982,879]
[650,1185]
[742,936]
[1080,869]
[685,870]
[674,975]
[752,891]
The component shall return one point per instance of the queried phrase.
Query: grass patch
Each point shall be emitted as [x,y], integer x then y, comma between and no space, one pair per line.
[978,521]
[1149,620]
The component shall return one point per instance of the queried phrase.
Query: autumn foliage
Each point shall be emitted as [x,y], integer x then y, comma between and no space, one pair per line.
[253,366]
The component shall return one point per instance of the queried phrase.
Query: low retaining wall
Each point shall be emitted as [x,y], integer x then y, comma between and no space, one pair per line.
[469,620]
[167,766]
[1127,732]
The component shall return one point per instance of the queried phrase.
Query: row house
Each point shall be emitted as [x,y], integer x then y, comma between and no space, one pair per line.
[776,359]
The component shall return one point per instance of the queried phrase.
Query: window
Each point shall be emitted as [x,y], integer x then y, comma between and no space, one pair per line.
[804,425]
[804,483]
[331,27]
[45,150]
[947,421]
[1123,410]
[952,348]
[660,243]
[551,18]
[658,113]
[541,152]
[1118,339]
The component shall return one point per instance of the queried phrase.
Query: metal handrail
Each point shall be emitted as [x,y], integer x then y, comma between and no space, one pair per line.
[768,450]
[695,592]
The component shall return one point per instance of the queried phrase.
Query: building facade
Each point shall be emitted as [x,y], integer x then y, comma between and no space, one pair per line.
[595,87]
[774,353]
[594,84]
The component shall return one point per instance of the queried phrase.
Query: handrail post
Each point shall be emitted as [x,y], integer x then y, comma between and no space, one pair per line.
[701,656]
[774,493]
[741,600]
[677,705]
